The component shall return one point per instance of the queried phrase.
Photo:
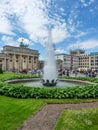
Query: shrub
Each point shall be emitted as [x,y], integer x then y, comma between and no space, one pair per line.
[20,91]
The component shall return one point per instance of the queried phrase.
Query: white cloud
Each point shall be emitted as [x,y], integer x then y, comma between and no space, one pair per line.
[85,3]
[24,40]
[7,40]
[62,9]
[91,1]
[58,51]
[5,26]
[89,44]
[59,33]
[73,21]
[81,34]
[32,18]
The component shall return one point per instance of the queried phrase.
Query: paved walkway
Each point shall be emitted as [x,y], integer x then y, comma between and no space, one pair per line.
[46,118]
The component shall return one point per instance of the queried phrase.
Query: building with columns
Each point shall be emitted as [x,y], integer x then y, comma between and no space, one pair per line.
[18,59]
[21,58]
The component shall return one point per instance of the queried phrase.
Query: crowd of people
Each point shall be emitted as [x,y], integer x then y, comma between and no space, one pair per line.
[91,73]
[87,73]
[64,72]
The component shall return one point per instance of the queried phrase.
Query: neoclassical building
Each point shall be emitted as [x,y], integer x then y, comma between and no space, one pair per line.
[18,58]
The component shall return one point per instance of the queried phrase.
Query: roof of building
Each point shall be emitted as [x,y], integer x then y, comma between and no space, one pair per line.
[19,49]
[61,54]
[94,53]
[78,50]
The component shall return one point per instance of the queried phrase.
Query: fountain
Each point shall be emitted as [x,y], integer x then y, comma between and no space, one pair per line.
[50,71]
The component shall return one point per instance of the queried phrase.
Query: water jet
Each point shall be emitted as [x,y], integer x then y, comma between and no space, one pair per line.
[50,71]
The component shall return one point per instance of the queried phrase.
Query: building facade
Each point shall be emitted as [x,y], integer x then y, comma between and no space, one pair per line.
[93,63]
[78,60]
[77,52]
[18,59]
[65,61]
[84,62]
[88,61]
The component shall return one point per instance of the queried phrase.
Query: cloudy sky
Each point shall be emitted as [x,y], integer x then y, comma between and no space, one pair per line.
[74,24]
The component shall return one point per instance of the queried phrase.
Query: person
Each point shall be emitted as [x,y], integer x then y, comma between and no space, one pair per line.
[76,73]
[87,74]
[68,73]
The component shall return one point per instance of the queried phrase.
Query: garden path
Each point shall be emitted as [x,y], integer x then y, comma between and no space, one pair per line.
[46,118]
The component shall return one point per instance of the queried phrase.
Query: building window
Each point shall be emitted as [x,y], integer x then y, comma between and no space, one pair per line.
[16,57]
[92,60]
[35,60]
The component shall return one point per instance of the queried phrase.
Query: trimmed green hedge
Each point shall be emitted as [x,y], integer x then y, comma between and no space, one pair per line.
[20,91]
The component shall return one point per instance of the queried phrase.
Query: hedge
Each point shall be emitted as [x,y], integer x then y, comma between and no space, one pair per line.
[20,91]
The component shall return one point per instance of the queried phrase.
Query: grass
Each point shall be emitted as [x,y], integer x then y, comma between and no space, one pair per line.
[13,112]
[7,76]
[78,120]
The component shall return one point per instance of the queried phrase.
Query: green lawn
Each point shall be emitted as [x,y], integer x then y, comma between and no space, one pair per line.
[78,120]
[13,111]
[6,76]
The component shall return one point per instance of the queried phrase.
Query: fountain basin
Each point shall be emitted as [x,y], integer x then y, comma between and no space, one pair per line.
[35,82]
